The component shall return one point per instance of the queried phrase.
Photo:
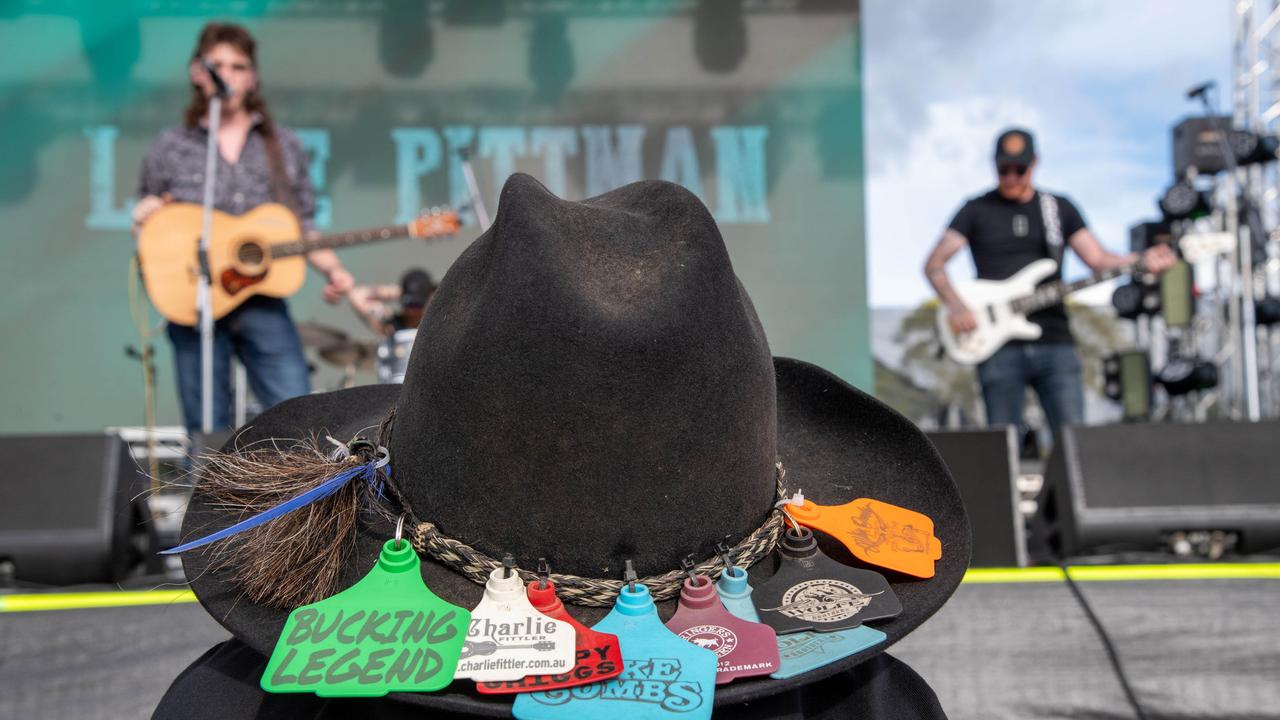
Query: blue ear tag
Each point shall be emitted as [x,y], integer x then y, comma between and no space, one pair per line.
[805,651]
[664,676]
[802,651]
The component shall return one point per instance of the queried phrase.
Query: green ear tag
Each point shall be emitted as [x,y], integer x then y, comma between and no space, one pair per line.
[388,632]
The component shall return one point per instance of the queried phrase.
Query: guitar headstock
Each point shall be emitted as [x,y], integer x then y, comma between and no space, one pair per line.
[437,222]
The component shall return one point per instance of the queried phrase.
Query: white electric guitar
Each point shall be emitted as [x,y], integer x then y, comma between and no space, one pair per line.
[1000,307]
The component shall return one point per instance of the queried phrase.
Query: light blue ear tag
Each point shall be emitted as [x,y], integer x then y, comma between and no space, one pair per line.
[735,593]
[805,651]
[802,651]
[664,676]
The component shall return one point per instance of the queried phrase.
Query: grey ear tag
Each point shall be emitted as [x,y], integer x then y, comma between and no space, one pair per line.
[811,591]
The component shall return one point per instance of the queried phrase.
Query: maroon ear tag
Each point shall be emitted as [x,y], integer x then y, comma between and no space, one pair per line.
[743,648]
[599,656]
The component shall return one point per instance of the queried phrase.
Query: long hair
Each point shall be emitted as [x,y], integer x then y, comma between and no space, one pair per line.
[238,37]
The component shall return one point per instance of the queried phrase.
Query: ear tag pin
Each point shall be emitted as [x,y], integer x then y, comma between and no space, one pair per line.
[386,633]
[598,655]
[509,639]
[798,652]
[743,648]
[876,533]
[811,591]
[663,676]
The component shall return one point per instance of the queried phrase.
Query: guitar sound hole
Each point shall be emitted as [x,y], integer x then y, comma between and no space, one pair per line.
[250,254]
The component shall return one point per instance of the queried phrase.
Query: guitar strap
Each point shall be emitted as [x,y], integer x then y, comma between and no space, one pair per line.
[1052,226]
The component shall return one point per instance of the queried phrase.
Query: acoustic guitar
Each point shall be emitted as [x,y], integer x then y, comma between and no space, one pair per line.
[258,253]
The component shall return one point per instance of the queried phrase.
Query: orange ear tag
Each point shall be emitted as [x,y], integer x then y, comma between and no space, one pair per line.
[876,532]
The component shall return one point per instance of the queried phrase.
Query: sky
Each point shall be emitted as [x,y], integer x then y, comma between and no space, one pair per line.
[1100,83]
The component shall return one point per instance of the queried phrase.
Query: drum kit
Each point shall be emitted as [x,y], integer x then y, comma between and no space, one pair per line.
[388,357]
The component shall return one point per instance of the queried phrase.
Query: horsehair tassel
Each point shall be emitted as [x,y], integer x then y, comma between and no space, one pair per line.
[302,513]
[325,489]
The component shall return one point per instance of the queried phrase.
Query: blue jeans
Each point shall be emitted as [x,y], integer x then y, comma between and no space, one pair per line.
[263,336]
[1053,370]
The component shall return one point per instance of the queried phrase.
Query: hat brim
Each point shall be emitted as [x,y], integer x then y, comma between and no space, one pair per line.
[836,442]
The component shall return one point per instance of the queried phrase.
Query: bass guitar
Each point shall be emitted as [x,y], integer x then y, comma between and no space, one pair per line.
[1000,307]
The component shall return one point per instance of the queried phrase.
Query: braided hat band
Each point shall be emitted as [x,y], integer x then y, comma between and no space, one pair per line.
[476,566]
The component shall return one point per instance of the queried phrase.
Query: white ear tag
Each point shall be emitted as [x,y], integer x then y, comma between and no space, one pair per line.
[509,639]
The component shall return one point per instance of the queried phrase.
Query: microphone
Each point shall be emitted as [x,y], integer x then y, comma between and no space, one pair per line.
[219,86]
[1200,89]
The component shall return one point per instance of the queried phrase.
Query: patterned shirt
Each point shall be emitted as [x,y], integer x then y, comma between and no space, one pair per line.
[175,164]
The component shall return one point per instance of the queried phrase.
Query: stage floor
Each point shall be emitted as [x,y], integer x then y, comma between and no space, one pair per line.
[1013,645]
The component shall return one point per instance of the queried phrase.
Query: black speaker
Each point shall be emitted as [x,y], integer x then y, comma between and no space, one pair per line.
[71,507]
[1148,234]
[1197,143]
[984,464]
[1129,487]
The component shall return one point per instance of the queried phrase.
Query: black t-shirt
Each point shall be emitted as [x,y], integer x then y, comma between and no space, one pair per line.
[1005,236]
[223,684]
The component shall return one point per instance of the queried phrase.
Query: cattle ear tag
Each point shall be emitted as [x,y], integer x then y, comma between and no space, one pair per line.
[509,639]
[743,648]
[877,533]
[811,591]
[386,633]
[663,676]
[798,652]
[734,590]
[598,655]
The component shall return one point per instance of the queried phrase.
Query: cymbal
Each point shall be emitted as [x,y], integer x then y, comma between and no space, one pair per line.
[355,354]
[320,336]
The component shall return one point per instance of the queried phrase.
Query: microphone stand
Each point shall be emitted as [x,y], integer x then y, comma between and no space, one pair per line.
[468,174]
[204,297]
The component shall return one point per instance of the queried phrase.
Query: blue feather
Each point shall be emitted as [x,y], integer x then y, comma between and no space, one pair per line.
[321,491]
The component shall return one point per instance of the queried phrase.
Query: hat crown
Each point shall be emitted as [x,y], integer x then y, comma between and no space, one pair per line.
[590,384]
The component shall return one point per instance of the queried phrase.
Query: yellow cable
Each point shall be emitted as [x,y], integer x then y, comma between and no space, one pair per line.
[1093,573]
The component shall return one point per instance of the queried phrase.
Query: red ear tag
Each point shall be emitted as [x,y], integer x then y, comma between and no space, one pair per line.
[599,656]
[742,648]
[877,533]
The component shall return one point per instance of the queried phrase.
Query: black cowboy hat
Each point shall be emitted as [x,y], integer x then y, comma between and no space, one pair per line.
[591,385]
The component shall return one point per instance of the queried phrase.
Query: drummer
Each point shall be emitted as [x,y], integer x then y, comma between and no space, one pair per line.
[377,304]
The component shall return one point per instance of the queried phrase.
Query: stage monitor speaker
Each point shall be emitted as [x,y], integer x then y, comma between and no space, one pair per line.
[984,464]
[71,508]
[1129,487]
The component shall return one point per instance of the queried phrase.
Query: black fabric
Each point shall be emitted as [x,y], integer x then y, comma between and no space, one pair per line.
[223,685]
[1006,235]
[563,343]
[1015,145]
[593,401]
